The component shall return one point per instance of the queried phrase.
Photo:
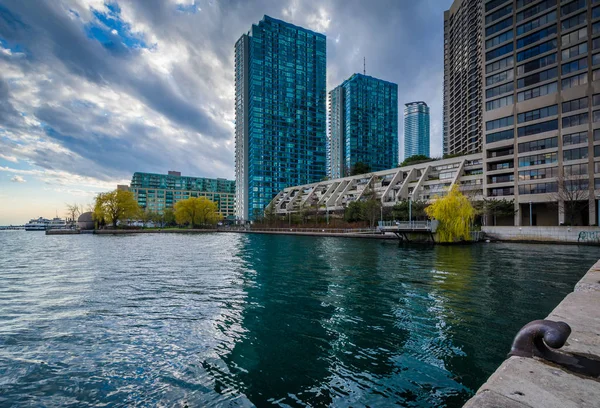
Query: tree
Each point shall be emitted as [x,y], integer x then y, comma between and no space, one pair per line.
[574,194]
[270,214]
[353,212]
[359,168]
[400,211]
[115,206]
[197,211]
[145,215]
[371,211]
[168,217]
[455,215]
[73,211]
[499,208]
[415,159]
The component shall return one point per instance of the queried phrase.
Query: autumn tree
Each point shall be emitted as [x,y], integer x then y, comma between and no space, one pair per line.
[73,211]
[197,211]
[455,215]
[115,206]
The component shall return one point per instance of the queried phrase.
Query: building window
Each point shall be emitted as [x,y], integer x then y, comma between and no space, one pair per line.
[502,191]
[500,77]
[574,66]
[575,138]
[499,90]
[490,5]
[575,104]
[537,114]
[538,22]
[499,123]
[499,103]
[535,37]
[535,145]
[539,188]
[572,7]
[573,21]
[500,64]
[538,174]
[537,92]
[498,14]
[575,154]
[538,49]
[537,159]
[538,8]
[499,39]
[500,166]
[573,37]
[491,30]
[576,170]
[596,12]
[596,135]
[575,80]
[505,49]
[597,151]
[537,77]
[575,120]
[498,136]
[574,51]
[536,64]
[596,116]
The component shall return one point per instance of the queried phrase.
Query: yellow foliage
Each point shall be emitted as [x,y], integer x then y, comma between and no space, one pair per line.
[197,211]
[455,215]
[115,206]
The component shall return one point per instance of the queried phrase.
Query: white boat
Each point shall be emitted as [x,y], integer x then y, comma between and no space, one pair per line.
[42,224]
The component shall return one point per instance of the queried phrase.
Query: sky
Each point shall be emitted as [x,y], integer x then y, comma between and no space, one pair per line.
[92,91]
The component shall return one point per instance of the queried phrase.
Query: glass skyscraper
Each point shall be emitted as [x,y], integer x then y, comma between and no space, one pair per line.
[363,125]
[416,129]
[280,112]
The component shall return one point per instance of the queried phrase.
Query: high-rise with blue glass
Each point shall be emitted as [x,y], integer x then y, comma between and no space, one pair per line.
[280,102]
[416,129]
[363,125]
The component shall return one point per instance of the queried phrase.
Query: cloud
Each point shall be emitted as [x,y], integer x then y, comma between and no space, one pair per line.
[92,91]
[18,179]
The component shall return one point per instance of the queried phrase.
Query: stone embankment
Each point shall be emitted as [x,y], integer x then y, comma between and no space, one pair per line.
[572,235]
[522,382]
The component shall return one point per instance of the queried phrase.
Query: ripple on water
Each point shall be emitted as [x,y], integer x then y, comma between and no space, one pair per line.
[235,320]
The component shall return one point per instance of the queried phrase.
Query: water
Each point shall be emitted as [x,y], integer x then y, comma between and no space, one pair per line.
[242,320]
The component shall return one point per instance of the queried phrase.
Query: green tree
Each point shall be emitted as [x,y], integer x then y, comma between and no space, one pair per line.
[499,208]
[197,211]
[455,215]
[401,211]
[415,159]
[371,211]
[270,214]
[115,206]
[359,168]
[353,212]
[145,215]
[168,217]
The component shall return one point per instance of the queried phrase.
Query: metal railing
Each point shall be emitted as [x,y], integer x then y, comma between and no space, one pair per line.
[412,225]
[311,230]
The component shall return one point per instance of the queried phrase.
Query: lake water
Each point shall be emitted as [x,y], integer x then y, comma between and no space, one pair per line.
[242,320]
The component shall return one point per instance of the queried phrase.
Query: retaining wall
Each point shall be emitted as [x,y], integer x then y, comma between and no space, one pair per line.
[581,235]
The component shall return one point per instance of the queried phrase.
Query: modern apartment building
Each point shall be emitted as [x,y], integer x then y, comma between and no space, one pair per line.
[542,107]
[363,125]
[416,129]
[462,77]
[280,112]
[157,192]
[423,181]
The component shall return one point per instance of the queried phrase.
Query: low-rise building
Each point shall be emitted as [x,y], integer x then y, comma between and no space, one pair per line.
[157,192]
[422,181]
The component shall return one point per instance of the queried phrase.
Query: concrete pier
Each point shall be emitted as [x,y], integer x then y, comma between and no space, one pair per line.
[531,382]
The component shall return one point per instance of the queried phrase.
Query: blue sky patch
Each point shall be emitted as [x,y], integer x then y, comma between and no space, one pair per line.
[112,32]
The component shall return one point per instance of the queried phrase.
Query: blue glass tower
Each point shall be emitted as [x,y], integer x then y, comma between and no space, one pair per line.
[280,129]
[416,129]
[363,125]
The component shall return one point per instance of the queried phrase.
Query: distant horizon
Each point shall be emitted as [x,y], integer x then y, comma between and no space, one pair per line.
[151,89]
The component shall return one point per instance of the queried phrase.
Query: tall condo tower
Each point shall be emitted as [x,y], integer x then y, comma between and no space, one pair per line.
[542,107]
[363,125]
[280,112]
[462,77]
[416,129]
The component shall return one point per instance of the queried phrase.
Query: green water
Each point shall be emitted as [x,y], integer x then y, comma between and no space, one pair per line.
[242,320]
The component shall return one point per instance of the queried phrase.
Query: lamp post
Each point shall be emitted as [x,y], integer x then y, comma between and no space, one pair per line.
[409,212]
[327,213]
[530,215]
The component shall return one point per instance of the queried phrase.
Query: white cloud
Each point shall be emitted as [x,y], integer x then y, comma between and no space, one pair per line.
[18,179]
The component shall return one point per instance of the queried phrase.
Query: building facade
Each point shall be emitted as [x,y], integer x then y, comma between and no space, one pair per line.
[462,77]
[363,125]
[280,110]
[542,108]
[416,129]
[423,181]
[158,192]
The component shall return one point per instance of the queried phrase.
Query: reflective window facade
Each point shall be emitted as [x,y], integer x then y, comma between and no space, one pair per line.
[416,129]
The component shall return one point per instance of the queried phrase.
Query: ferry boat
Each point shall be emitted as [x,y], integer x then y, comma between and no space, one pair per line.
[42,224]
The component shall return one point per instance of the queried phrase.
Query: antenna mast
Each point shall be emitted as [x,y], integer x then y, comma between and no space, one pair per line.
[364,66]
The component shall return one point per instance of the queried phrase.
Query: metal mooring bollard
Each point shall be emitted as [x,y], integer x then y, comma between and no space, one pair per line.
[543,338]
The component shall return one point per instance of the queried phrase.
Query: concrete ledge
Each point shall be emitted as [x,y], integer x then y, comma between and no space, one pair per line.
[535,383]
[574,235]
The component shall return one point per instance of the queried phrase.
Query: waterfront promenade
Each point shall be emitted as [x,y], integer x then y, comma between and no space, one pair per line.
[522,382]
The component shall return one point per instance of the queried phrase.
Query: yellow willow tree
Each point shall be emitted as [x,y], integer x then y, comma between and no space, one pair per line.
[197,211]
[115,206]
[455,214]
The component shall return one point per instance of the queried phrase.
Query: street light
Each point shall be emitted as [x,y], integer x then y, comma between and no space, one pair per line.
[530,215]
[409,212]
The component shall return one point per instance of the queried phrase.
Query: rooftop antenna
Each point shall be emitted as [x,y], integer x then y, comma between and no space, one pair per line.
[364,66]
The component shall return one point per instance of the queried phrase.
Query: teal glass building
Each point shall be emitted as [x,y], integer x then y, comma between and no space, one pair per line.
[416,129]
[363,125]
[280,112]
